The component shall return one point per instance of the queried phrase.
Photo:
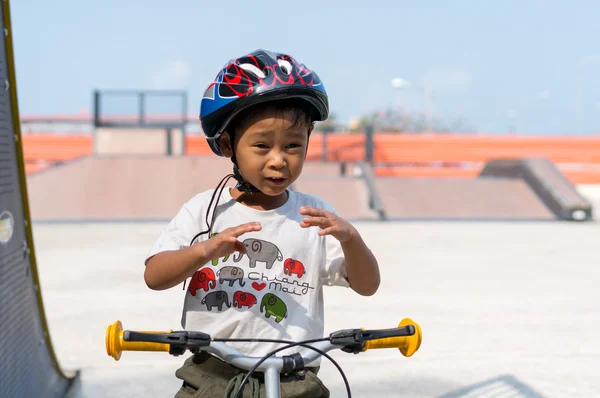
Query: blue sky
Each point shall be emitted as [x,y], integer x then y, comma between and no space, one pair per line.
[527,64]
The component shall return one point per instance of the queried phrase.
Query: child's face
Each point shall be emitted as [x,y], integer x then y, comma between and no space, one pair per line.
[270,150]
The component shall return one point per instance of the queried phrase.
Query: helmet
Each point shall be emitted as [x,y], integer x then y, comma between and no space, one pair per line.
[255,78]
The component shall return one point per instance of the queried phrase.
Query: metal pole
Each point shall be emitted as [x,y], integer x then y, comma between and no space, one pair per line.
[169,144]
[96,107]
[272,383]
[343,169]
[96,121]
[369,132]
[141,100]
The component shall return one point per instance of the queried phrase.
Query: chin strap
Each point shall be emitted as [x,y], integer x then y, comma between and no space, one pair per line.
[242,185]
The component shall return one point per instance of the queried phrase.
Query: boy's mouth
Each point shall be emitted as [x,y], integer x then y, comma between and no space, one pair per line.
[277,181]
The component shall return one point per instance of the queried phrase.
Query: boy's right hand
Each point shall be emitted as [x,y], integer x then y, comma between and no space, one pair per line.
[226,242]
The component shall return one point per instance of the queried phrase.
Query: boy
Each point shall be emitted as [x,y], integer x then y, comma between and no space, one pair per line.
[259,254]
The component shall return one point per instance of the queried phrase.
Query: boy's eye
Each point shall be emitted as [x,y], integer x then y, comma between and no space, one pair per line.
[295,145]
[261,146]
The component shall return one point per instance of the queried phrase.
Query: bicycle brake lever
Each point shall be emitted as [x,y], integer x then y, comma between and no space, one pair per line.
[348,339]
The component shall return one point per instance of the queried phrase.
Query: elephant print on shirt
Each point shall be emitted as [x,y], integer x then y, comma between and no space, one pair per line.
[260,250]
[202,279]
[231,274]
[291,266]
[241,299]
[274,306]
[216,260]
[216,299]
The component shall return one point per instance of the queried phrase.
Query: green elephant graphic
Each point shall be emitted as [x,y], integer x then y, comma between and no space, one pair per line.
[273,305]
[216,260]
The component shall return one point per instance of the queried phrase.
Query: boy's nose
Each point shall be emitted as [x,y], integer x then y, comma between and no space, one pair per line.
[277,160]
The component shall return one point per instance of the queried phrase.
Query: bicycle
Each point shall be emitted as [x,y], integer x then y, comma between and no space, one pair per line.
[406,337]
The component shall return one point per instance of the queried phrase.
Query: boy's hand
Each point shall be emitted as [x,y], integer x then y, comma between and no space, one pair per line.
[226,242]
[329,223]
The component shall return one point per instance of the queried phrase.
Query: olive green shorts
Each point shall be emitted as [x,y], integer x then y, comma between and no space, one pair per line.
[206,376]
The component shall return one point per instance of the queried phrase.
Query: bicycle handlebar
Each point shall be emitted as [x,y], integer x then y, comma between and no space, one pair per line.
[406,337]
[407,345]
[116,343]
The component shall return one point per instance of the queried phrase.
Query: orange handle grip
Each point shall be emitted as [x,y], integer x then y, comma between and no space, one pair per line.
[407,345]
[115,344]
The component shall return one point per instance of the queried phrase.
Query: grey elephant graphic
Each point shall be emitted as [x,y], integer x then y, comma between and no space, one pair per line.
[260,250]
[231,274]
[274,306]
[216,299]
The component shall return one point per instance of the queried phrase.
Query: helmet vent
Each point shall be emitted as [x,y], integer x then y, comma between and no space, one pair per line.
[253,69]
[285,66]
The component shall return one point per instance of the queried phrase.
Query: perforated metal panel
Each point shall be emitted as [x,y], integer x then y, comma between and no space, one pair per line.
[27,368]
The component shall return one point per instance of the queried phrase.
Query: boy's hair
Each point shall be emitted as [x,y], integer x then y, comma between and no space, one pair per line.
[304,114]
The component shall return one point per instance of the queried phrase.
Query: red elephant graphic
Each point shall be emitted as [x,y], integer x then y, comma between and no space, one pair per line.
[202,279]
[241,299]
[291,266]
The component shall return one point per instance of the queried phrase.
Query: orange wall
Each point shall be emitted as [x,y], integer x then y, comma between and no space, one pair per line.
[578,157]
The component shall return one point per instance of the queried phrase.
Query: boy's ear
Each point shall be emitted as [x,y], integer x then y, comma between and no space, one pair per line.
[225,145]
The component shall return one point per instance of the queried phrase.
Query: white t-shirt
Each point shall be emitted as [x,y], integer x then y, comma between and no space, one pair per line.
[275,290]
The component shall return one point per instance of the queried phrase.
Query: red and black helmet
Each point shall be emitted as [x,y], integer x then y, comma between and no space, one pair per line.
[255,78]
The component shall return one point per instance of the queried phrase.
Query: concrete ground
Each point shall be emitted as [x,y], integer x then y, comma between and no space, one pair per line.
[507,309]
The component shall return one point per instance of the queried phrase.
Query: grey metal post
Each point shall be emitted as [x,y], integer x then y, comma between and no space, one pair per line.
[169,144]
[96,108]
[369,132]
[96,121]
[141,100]
[272,383]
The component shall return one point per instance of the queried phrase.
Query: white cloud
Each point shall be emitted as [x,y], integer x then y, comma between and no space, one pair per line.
[174,75]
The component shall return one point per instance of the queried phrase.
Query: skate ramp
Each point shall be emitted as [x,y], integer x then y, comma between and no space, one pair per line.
[28,365]
[477,199]
[147,188]
[506,189]
[122,188]
[545,179]
[349,196]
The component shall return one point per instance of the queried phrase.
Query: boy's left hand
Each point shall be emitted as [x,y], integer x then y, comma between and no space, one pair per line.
[329,223]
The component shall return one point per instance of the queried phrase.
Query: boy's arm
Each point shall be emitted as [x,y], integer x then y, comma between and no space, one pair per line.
[169,268]
[361,265]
